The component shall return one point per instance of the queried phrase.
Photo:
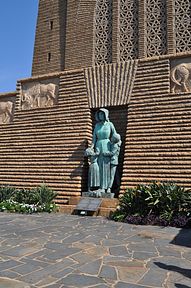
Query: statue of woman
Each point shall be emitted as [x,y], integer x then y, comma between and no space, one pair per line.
[103,131]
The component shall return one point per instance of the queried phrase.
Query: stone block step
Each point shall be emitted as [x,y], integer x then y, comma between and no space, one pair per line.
[155,83]
[71,97]
[72,76]
[105,210]
[106,202]
[152,63]
[64,108]
[149,88]
[162,97]
[154,109]
[143,78]
[60,202]
[158,69]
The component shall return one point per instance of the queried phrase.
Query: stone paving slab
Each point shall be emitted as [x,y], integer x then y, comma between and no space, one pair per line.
[57,251]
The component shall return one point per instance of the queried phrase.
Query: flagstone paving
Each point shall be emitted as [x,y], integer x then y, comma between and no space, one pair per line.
[57,251]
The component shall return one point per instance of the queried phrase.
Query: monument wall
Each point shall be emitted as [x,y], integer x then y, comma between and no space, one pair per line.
[44,136]
[158,138]
[132,57]
[45,140]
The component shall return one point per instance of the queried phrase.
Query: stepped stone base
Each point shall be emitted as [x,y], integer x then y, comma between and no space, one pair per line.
[107,207]
[98,194]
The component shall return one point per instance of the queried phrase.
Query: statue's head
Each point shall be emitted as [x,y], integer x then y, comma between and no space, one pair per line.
[103,114]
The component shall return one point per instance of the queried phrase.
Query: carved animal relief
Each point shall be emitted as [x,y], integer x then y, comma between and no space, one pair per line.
[181,78]
[38,95]
[6,111]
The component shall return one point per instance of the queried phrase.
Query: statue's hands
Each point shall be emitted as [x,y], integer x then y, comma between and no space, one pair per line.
[106,154]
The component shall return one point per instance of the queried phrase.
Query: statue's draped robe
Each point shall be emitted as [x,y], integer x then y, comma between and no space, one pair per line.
[101,138]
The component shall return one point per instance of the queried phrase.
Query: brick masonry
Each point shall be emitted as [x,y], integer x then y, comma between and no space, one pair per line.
[158,132]
[47,144]
[49,49]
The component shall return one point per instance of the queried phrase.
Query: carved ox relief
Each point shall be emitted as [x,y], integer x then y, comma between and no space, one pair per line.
[38,95]
[6,111]
[181,78]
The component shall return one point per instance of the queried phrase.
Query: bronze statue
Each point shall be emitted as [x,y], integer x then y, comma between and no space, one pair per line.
[104,154]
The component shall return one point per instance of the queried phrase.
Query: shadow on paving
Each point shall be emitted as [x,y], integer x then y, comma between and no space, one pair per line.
[184,272]
[183,238]
[181,286]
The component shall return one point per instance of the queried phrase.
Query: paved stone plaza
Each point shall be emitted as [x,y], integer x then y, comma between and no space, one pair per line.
[57,250]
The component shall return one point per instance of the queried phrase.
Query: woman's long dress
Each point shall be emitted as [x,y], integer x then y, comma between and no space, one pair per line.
[102,134]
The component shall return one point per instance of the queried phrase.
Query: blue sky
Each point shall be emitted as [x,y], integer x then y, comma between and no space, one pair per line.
[17,32]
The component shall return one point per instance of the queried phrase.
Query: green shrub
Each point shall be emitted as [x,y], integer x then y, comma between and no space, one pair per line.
[46,194]
[165,200]
[39,195]
[39,199]
[26,196]
[6,192]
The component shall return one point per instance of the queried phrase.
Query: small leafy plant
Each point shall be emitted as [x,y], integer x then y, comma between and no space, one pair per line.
[6,192]
[46,195]
[26,196]
[158,203]
[39,199]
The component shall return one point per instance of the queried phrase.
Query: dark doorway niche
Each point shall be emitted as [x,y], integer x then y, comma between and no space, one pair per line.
[118,116]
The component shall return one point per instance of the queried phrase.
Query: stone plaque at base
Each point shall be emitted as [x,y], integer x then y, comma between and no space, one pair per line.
[87,204]
[97,194]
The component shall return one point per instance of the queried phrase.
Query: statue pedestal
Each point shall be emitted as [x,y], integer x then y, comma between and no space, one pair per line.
[98,194]
[107,206]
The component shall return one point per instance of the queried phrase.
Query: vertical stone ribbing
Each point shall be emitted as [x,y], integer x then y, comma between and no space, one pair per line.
[110,85]
[142,29]
[170,27]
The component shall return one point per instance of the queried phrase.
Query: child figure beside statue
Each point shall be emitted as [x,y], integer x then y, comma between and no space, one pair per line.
[103,154]
[114,154]
[93,173]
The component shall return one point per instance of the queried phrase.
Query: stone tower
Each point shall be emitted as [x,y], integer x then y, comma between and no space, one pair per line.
[79,33]
[49,49]
[64,35]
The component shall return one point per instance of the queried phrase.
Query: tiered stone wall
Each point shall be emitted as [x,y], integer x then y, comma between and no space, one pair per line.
[46,144]
[46,126]
[158,135]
